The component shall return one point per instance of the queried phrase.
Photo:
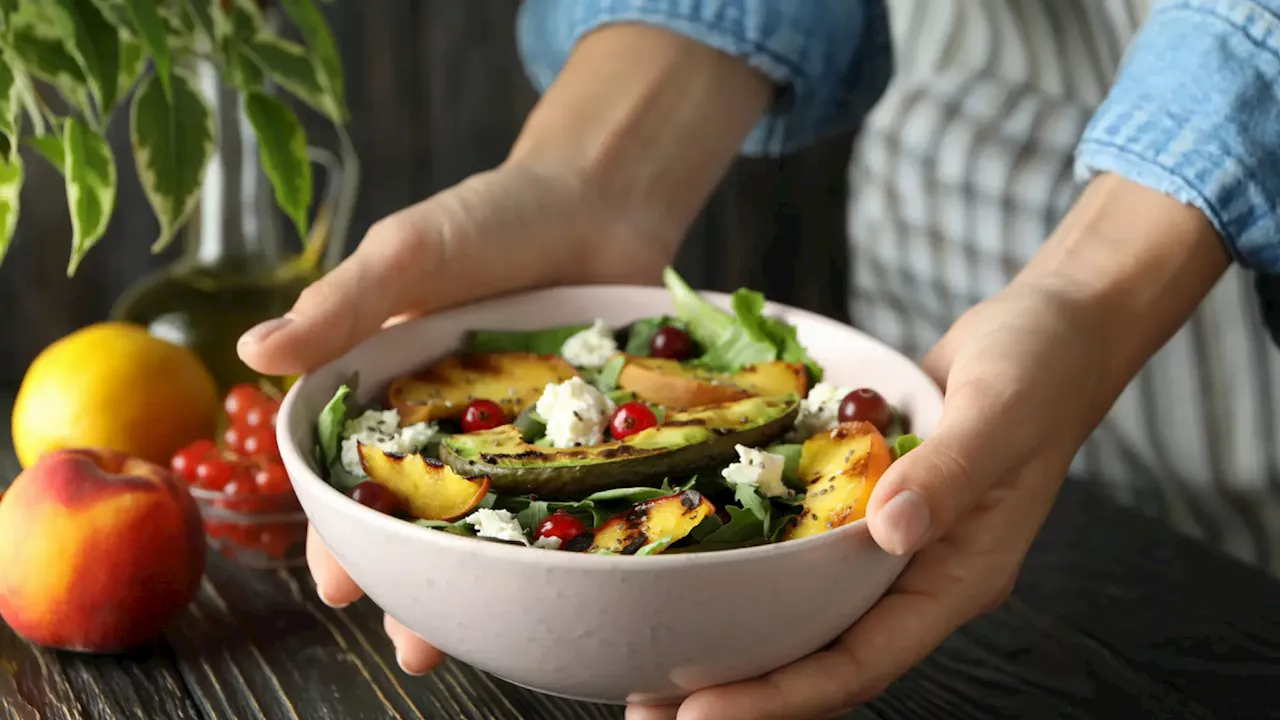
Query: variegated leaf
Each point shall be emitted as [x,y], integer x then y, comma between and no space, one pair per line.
[151,31]
[50,148]
[37,41]
[132,62]
[323,48]
[282,145]
[11,173]
[9,102]
[91,187]
[173,139]
[287,64]
[95,46]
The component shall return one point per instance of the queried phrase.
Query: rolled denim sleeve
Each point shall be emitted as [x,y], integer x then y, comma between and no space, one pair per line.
[830,60]
[1195,113]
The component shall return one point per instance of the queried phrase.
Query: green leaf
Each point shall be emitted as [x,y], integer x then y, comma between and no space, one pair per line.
[152,31]
[91,187]
[208,19]
[288,65]
[132,62]
[606,380]
[539,342]
[640,333]
[173,140]
[749,497]
[9,102]
[11,175]
[50,148]
[630,496]
[36,40]
[96,47]
[728,343]
[783,336]
[905,444]
[531,426]
[533,515]
[324,53]
[656,546]
[743,527]
[282,144]
[329,426]
[790,452]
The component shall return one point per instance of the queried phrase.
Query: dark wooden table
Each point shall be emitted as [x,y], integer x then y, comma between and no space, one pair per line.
[1114,616]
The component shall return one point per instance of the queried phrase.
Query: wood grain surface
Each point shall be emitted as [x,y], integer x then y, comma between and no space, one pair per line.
[1114,616]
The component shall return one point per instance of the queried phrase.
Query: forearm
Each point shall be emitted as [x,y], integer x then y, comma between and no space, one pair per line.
[1136,261]
[649,121]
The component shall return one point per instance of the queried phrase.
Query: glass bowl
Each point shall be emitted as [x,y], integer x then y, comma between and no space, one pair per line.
[256,531]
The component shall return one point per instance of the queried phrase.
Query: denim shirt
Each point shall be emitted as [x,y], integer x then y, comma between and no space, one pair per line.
[1194,111]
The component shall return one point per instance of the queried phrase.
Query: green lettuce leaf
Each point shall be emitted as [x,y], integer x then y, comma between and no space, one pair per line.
[606,381]
[905,444]
[749,497]
[743,528]
[656,546]
[540,342]
[641,333]
[329,426]
[790,452]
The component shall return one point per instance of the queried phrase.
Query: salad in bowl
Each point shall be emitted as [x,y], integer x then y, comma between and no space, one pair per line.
[703,430]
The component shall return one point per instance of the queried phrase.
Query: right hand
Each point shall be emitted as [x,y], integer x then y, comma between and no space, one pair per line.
[513,228]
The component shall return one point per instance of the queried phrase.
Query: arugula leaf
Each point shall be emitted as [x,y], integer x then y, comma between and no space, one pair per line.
[783,336]
[791,454]
[749,497]
[533,515]
[729,344]
[460,527]
[530,425]
[779,525]
[630,496]
[618,397]
[905,444]
[743,526]
[656,546]
[540,342]
[329,425]
[709,524]
[606,381]
[641,333]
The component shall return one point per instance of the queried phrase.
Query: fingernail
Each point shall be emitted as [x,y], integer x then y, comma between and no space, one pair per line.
[906,516]
[264,330]
[330,603]
[400,661]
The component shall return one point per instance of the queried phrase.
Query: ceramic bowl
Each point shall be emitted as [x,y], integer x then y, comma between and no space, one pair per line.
[599,628]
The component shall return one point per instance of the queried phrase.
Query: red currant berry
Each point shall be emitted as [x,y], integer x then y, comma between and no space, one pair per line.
[371,494]
[213,473]
[260,443]
[272,479]
[240,487]
[183,463]
[233,437]
[483,415]
[263,415]
[630,418]
[561,525]
[866,405]
[672,343]
[240,398]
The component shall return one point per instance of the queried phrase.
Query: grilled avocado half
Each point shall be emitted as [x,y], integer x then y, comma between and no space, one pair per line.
[686,442]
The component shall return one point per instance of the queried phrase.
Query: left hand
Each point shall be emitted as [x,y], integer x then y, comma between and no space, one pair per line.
[1024,387]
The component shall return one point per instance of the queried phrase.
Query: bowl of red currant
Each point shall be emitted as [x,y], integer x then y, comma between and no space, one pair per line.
[251,514]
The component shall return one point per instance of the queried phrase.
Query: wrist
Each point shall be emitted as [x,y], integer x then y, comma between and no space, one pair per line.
[645,122]
[1136,261]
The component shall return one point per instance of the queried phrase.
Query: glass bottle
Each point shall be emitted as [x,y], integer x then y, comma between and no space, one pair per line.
[237,269]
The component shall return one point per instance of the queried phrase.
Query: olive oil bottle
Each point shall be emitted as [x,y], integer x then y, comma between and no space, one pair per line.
[240,265]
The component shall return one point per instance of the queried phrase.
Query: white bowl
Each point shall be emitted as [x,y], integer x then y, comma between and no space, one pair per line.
[600,628]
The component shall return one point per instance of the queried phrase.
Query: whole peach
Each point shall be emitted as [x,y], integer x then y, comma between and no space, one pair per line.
[99,551]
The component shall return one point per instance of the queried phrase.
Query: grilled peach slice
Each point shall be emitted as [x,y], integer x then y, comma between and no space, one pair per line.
[667,519]
[429,489]
[675,386]
[514,380]
[839,468]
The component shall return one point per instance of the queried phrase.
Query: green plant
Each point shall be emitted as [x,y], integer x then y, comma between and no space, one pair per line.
[91,54]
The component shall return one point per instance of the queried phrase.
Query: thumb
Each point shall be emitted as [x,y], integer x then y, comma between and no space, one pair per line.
[383,277]
[922,494]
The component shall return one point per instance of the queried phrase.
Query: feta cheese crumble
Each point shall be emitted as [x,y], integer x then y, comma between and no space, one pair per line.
[381,428]
[497,524]
[548,542]
[590,348]
[576,413]
[760,469]
[819,411]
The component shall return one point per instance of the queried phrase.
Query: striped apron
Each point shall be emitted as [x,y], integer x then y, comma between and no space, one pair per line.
[959,174]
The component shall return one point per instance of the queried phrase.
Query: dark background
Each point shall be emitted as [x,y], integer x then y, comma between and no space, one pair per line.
[437,92]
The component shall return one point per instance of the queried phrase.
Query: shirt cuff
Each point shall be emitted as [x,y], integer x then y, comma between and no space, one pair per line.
[1195,113]
[829,59]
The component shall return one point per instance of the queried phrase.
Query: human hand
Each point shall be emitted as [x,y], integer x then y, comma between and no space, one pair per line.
[1027,376]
